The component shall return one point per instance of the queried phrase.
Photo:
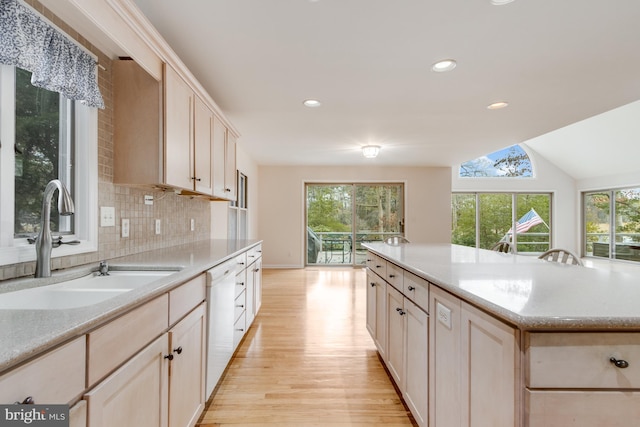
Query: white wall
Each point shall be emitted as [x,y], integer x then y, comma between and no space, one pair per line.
[281,200]
[219,210]
[565,215]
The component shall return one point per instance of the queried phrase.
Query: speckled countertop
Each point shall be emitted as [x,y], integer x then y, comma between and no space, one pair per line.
[527,292]
[25,333]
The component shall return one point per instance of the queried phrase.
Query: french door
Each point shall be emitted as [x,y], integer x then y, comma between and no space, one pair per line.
[341,216]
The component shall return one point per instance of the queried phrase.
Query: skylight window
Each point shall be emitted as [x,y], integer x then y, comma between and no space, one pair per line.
[510,162]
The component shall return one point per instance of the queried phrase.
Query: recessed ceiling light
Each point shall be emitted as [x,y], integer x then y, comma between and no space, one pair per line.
[312,103]
[370,151]
[444,65]
[497,105]
[500,2]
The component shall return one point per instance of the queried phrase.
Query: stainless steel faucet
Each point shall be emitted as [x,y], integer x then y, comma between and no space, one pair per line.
[44,242]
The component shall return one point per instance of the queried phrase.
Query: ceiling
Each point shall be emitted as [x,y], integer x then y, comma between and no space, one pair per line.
[369,62]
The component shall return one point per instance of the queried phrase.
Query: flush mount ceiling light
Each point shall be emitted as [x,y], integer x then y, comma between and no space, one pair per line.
[312,103]
[370,151]
[500,2]
[497,105]
[444,65]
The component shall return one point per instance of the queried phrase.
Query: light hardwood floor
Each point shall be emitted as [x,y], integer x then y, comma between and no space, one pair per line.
[308,359]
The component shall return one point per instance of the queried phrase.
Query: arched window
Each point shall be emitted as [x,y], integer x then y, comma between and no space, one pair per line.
[510,162]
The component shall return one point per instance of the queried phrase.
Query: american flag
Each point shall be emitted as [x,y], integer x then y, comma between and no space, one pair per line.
[527,221]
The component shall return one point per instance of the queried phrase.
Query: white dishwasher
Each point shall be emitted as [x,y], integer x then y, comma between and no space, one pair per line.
[220,301]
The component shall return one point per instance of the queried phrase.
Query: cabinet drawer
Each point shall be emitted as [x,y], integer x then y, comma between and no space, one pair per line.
[417,290]
[184,298]
[582,408]
[239,305]
[56,377]
[377,264]
[241,282]
[394,276]
[253,254]
[239,329]
[112,344]
[582,360]
[241,262]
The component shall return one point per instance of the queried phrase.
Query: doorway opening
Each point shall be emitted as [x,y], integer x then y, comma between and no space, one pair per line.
[342,216]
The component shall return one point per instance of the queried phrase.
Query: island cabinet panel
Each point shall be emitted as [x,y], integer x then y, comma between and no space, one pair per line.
[489,370]
[395,276]
[589,408]
[583,360]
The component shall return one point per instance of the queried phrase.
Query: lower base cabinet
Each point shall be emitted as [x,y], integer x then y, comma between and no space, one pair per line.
[162,385]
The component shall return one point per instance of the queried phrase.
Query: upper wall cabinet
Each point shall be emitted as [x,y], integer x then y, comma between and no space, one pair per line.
[166,135]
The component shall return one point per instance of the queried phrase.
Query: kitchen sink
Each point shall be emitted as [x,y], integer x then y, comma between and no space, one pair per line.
[80,292]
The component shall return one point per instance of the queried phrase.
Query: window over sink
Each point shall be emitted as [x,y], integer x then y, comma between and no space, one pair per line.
[44,136]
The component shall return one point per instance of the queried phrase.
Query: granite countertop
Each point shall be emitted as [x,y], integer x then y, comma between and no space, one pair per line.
[525,291]
[26,333]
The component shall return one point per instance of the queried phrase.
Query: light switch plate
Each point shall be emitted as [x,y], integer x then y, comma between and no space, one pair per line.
[107,216]
[125,227]
[158,226]
[193,224]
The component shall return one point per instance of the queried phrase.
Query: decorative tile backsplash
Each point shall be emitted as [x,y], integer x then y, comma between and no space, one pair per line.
[174,211]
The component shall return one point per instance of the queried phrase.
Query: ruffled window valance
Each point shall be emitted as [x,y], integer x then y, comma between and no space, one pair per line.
[56,63]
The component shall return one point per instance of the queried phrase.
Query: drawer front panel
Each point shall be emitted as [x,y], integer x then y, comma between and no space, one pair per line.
[56,377]
[239,305]
[241,282]
[186,297]
[112,344]
[417,290]
[377,264]
[395,276]
[582,360]
[582,408]
[239,329]
[241,262]
[253,254]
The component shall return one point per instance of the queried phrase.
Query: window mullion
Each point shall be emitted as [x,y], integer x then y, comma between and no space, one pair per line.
[7,153]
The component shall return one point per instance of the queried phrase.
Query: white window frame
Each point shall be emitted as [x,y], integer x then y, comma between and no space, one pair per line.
[12,250]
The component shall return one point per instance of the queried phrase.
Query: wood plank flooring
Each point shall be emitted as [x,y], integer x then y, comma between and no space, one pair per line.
[308,359]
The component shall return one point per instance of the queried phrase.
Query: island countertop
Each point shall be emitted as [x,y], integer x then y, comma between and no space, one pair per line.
[525,291]
[26,333]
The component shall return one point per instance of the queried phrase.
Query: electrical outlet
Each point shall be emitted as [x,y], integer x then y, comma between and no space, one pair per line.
[125,227]
[148,200]
[193,224]
[444,315]
[107,216]
[158,229]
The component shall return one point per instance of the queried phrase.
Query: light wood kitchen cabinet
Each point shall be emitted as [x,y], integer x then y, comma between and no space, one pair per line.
[394,312]
[571,379]
[187,345]
[40,378]
[471,353]
[178,131]
[166,135]
[136,394]
[224,161]
[401,329]
[376,314]
[416,388]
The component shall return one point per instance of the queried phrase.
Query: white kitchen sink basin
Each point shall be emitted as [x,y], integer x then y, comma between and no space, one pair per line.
[80,292]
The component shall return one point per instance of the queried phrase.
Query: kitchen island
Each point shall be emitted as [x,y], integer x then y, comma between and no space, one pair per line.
[512,340]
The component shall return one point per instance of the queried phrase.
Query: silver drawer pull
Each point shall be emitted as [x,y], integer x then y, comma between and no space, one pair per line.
[619,363]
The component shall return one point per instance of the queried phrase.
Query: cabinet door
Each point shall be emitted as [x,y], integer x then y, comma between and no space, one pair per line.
[488,370]
[395,335]
[136,394]
[416,362]
[445,398]
[381,317]
[187,369]
[230,185]
[203,150]
[257,286]
[371,304]
[178,134]
[219,143]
